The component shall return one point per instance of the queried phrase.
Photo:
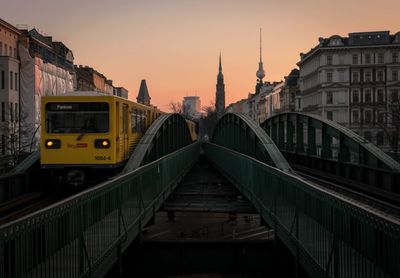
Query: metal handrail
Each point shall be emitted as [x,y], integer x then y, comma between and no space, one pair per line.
[349,134]
[42,237]
[326,219]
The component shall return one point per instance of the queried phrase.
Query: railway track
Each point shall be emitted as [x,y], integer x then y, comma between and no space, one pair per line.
[26,204]
[383,205]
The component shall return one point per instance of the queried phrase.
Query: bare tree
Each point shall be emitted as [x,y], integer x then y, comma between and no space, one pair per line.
[208,122]
[176,107]
[12,149]
[391,129]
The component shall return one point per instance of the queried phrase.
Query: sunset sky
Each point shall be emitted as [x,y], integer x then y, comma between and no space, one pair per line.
[174,44]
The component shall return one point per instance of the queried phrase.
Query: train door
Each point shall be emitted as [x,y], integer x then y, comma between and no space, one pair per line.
[125,130]
[118,131]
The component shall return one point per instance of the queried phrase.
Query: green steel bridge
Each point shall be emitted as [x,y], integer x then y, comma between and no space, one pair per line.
[329,234]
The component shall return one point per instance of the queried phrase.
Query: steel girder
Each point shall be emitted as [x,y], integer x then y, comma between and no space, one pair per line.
[240,133]
[166,135]
[329,234]
[17,181]
[334,149]
[85,234]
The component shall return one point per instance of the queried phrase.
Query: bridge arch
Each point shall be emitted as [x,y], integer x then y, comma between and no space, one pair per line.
[324,145]
[238,132]
[166,135]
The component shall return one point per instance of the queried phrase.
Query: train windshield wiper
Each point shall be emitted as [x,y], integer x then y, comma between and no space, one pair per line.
[80,136]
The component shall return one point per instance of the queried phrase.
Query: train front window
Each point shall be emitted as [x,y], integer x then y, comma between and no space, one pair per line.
[77,117]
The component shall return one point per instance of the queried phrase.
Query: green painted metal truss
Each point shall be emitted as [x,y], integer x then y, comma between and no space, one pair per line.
[240,133]
[85,234]
[16,182]
[329,235]
[308,141]
[167,134]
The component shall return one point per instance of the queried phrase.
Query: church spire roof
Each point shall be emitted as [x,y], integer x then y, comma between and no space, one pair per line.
[220,75]
[143,95]
[220,64]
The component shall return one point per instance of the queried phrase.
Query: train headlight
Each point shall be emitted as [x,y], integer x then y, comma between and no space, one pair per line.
[52,144]
[102,143]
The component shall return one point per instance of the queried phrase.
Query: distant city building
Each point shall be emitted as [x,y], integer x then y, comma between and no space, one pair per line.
[143,95]
[89,79]
[9,88]
[192,107]
[46,68]
[220,91]
[121,92]
[354,81]
[289,92]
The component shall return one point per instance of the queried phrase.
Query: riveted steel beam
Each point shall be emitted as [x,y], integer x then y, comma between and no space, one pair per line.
[255,142]
[167,134]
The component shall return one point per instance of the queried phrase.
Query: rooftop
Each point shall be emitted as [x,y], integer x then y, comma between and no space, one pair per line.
[357,39]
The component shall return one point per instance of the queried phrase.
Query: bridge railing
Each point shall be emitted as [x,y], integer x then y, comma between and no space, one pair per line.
[86,233]
[329,235]
[17,181]
[327,148]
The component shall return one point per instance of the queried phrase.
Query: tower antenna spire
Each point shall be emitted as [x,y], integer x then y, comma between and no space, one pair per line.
[260,46]
[220,64]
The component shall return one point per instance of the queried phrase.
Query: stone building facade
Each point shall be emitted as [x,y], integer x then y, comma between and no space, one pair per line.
[354,81]
[9,89]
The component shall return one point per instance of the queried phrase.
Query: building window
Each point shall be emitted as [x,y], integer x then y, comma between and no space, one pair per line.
[329,60]
[5,49]
[329,77]
[368,116]
[381,118]
[368,96]
[395,57]
[11,80]
[11,112]
[379,75]
[1,49]
[3,112]
[16,113]
[395,75]
[15,53]
[355,59]
[355,76]
[380,58]
[356,117]
[356,96]
[394,96]
[368,76]
[379,96]
[367,58]
[341,76]
[379,138]
[329,98]
[16,81]
[3,144]
[10,53]
[329,115]
[367,135]
[3,79]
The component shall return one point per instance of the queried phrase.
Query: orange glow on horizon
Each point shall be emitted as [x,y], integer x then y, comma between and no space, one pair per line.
[175,44]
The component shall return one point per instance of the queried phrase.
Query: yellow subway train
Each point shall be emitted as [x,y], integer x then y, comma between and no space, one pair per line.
[82,132]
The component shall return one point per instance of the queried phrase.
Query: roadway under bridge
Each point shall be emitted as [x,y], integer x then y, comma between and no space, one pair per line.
[327,232]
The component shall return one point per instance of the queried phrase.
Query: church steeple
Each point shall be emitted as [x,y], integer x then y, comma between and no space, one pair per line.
[220,92]
[260,72]
[220,75]
[143,95]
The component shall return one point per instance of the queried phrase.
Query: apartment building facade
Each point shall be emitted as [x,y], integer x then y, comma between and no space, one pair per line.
[354,81]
